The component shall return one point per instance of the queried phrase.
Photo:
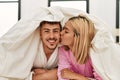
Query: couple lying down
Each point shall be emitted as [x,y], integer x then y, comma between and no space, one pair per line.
[88,51]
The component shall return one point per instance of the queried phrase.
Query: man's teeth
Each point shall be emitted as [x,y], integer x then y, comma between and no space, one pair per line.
[51,41]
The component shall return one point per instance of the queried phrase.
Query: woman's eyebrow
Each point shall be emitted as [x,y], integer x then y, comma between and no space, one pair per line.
[65,28]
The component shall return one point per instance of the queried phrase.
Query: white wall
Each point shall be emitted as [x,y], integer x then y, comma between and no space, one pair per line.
[104,9]
[28,5]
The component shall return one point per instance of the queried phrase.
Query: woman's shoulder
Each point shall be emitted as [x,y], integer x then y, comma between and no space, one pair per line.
[62,50]
[61,47]
[65,48]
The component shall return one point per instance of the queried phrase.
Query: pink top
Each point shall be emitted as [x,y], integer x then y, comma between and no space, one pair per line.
[67,60]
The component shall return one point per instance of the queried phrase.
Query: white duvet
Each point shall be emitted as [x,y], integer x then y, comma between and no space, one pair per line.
[18,47]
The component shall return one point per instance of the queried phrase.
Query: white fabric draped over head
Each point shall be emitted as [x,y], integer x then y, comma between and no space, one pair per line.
[19,46]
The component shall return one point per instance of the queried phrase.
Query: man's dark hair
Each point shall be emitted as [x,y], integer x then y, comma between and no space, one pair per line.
[48,22]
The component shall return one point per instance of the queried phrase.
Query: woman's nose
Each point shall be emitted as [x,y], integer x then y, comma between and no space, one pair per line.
[61,33]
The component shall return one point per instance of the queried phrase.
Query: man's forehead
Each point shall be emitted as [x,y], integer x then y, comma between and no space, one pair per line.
[49,26]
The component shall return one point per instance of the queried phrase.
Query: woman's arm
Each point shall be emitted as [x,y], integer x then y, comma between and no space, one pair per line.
[63,62]
[66,73]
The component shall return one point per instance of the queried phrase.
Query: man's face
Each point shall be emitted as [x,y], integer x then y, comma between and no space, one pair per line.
[50,35]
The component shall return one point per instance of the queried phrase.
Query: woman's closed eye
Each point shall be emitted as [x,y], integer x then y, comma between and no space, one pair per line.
[66,31]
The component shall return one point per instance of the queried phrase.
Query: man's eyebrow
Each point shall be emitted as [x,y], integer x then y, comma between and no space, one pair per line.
[46,29]
[50,29]
[56,29]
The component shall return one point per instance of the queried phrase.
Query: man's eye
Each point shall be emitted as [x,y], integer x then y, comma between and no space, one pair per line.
[56,31]
[46,31]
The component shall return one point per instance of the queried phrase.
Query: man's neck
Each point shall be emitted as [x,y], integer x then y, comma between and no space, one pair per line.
[48,51]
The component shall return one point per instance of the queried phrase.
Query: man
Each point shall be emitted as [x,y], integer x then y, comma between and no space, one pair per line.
[45,63]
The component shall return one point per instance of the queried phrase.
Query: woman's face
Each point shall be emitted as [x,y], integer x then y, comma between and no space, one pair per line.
[67,35]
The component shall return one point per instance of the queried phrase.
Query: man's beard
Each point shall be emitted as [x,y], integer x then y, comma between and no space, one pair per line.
[52,44]
[51,48]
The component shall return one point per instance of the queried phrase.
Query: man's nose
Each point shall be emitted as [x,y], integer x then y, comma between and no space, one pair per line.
[51,34]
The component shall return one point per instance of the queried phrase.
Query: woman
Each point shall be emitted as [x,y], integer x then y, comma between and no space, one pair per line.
[74,59]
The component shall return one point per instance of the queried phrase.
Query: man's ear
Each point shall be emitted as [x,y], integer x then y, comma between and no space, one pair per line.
[40,33]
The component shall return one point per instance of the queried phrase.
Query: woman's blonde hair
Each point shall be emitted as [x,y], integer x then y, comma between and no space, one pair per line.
[84,32]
